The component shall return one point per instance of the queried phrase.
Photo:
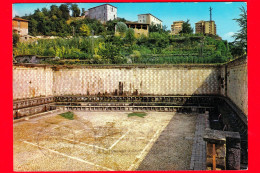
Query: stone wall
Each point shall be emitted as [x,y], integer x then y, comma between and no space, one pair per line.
[30,82]
[236,83]
[174,80]
[230,80]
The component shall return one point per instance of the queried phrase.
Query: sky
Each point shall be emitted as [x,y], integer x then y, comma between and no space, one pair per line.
[223,13]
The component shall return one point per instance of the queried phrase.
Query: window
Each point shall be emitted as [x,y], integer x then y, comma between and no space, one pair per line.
[112,9]
[114,16]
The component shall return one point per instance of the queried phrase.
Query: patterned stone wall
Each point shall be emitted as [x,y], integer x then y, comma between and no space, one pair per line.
[30,82]
[230,80]
[237,89]
[135,81]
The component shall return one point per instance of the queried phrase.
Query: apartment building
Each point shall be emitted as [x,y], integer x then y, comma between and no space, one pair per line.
[149,19]
[176,27]
[206,27]
[102,13]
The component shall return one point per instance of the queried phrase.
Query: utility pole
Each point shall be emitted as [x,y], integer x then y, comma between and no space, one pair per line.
[210,13]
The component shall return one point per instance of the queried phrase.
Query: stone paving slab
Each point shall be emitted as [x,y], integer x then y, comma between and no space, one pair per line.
[173,148]
[198,157]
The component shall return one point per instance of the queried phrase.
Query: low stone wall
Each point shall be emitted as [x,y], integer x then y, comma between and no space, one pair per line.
[18,104]
[18,113]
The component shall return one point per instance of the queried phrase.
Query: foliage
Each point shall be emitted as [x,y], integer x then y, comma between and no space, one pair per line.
[64,8]
[57,21]
[138,114]
[83,12]
[158,28]
[186,28]
[85,30]
[157,48]
[121,27]
[111,25]
[75,10]
[68,115]
[241,36]
[130,36]
[110,53]
[15,39]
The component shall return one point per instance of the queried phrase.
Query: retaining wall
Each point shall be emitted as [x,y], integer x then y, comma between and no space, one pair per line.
[30,82]
[236,87]
[230,80]
[137,81]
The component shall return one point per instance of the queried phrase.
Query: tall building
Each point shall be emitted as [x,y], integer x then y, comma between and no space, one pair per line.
[176,27]
[206,27]
[149,19]
[20,26]
[102,13]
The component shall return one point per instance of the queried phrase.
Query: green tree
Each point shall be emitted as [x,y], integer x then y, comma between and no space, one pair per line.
[110,25]
[121,28]
[241,36]
[45,11]
[33,27]
[186,28]
[75,10]
[130,36]
[64,8]
[85,30]
[155,28]
[96,26]
[83,12]
[55,11]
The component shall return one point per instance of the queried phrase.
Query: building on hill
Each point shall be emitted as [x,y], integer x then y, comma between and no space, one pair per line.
[149,19]
[139,28]
[20,26]
[176,27]
[206,27]
[102,13]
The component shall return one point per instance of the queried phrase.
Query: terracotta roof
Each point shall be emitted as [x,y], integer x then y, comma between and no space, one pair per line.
[20,19]
[151,15]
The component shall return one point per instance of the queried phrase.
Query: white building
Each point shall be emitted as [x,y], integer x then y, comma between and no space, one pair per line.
[102,13]
[149,19]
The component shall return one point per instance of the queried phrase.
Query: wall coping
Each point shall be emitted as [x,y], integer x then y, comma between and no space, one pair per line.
[235,62]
